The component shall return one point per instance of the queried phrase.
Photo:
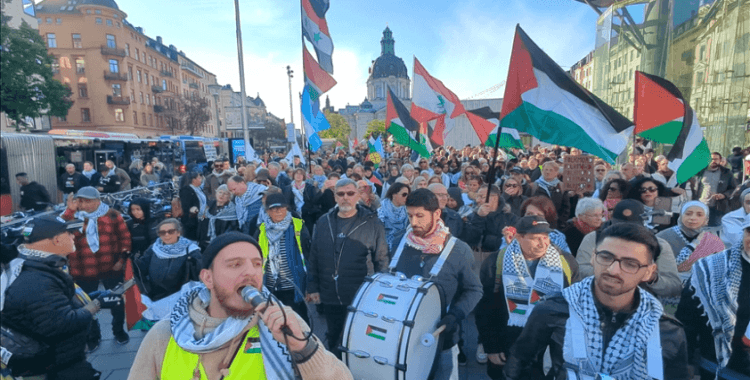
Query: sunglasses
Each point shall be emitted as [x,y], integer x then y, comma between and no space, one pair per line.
[341,194]
[404,194]
[649,189]
[167,232]
[614,189]
[511,185]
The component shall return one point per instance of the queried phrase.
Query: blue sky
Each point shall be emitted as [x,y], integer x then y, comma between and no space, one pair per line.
[466,44]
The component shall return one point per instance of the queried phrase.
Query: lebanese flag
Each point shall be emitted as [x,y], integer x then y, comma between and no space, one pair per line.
[403,128]
[317,79]
[431,99]
[509,137]
[543,101]
[315,29]
[661,115]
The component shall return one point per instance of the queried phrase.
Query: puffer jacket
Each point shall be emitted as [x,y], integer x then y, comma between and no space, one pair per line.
[159,278]
[41,304]
[363,251]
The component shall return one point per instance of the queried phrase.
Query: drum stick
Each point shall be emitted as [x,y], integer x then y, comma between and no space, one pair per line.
[438,331]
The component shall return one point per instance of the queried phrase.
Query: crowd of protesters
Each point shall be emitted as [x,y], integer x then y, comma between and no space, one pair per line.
[598,277]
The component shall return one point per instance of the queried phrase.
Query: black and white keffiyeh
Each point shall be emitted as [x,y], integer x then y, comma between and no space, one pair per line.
[253,197]
[626,356]
[227,212]
[274,232]
[172,251]
[92,228]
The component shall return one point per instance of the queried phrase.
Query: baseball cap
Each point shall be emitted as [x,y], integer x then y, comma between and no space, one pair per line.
[47,227]
[535,224]
[516,169]
[276,200]
[88,192]
[628,210]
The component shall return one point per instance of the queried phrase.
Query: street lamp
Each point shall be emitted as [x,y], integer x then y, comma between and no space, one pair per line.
[245,130]
[290,73]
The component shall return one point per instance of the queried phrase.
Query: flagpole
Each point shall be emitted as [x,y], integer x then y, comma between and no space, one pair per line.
[245,127]
[491,178]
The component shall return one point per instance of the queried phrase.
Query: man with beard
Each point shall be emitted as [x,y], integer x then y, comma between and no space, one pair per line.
[121,174]
[71,181]
[715,187]
[606,327]
[214,334]
[421,252]
[348,243]
[218,177]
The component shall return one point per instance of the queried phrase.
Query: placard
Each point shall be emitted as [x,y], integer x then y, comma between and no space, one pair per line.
[578,174]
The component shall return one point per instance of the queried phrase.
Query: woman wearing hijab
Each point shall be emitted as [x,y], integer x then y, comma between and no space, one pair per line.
[167,265]
[193,203]
[456,203]
[731,223]
[612,193]
[141,226]
[392,211]
[220,217]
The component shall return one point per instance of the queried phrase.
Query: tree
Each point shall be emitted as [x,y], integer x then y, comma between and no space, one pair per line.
[339,130]
[188,115]
[27,84]
[376,128]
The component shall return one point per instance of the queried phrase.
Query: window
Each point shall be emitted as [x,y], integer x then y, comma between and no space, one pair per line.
[109,22]
[127,50]
[114,66]
[702,54]
[150,120]
[55,66]
[98,20]
[116,90]
[117,24]
[137,54]
[632,54]
[144,57]
[130,72]
[164,84]
[51,40]
[111,43]
[62,119]
[80,66]
[135,117]
[49,20]
[77,41]
[148,99]
[58,21]
[146,78]
[153,80]
[142,98]
[119,115]
[98,11]
[138,72]
[83,91]
[85,115]
[144,118]
[88,11]
[699,77]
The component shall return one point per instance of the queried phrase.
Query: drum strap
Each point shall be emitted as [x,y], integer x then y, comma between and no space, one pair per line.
[443,256]
[399,250]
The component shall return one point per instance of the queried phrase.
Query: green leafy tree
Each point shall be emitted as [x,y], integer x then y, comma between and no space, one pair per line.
[27,84]
[339,130]
[376,128]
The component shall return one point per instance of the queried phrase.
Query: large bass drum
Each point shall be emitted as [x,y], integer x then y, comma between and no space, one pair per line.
[388,332]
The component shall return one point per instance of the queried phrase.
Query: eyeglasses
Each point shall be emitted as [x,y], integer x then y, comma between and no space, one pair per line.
[440,195]
[341,194]
[614,189]
[630,266]
[511,185]
[649,189]
[406,194]
[167,232]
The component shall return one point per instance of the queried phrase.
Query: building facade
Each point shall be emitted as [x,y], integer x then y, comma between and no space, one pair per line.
[122,80]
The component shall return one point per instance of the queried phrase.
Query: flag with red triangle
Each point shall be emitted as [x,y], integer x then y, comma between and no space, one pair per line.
[317,79]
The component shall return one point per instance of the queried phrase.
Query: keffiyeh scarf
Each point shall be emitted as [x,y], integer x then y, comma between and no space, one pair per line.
[626,355]
[252,197]
[226,213]
[547,185]
[522,291]
[173,251]
[688,255]
[92,228]
[299,197]
[431,244]
[274,232]
[716,281]
[201,200]
[394,218]
[276,359]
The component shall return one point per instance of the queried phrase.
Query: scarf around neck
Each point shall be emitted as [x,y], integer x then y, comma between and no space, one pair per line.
[547,185]
[583,227]
[92,227]
[299,197]
[88,173]
[431,244]
[252,195]
[522,291]
[274,232]
[626,356]
[194,303]
[173,251]
[394,218]
[201,200]
[227,212]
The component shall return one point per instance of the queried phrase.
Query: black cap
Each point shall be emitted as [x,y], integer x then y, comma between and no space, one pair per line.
[223,240]
[535,224]
[516,169]
[47,227]
[276,200]
[628,210]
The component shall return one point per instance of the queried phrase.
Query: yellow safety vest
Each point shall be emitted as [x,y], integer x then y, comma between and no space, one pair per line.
[263,240]
[247,363]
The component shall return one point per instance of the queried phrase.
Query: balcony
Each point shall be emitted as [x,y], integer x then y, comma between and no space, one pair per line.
[115,76]
[157,89]
[118,100]
[167,74]
[158,109]
[193,85]
[113,51]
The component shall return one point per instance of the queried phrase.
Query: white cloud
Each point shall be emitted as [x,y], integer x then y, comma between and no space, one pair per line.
[350,72]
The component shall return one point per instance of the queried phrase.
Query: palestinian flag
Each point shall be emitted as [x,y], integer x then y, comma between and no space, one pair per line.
[315,29]
[376,151]
[317,80]
[542,100]
[509,137]
[661,115]
[402,127]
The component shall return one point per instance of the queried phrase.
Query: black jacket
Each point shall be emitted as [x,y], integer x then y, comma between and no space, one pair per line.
[158,278]
[515,203]
[70,183]
[453,221]
[41,303]
[189,199]
[34,197]
[546,327]
[142,232]
[363,251]
[109,184]
[559,198]
[221,226]
[311,210]
[699,331]
[486,232]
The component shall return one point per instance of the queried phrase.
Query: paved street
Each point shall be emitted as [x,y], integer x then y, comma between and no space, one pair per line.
[114,360]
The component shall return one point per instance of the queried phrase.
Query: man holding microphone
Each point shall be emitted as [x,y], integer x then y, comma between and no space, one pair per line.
[214,334]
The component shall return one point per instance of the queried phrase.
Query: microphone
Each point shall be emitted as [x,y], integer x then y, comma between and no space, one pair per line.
[252,296]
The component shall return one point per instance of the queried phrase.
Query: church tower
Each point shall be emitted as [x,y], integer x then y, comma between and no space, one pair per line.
[388,70]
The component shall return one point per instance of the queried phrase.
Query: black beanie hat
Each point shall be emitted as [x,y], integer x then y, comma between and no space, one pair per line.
[223,240]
